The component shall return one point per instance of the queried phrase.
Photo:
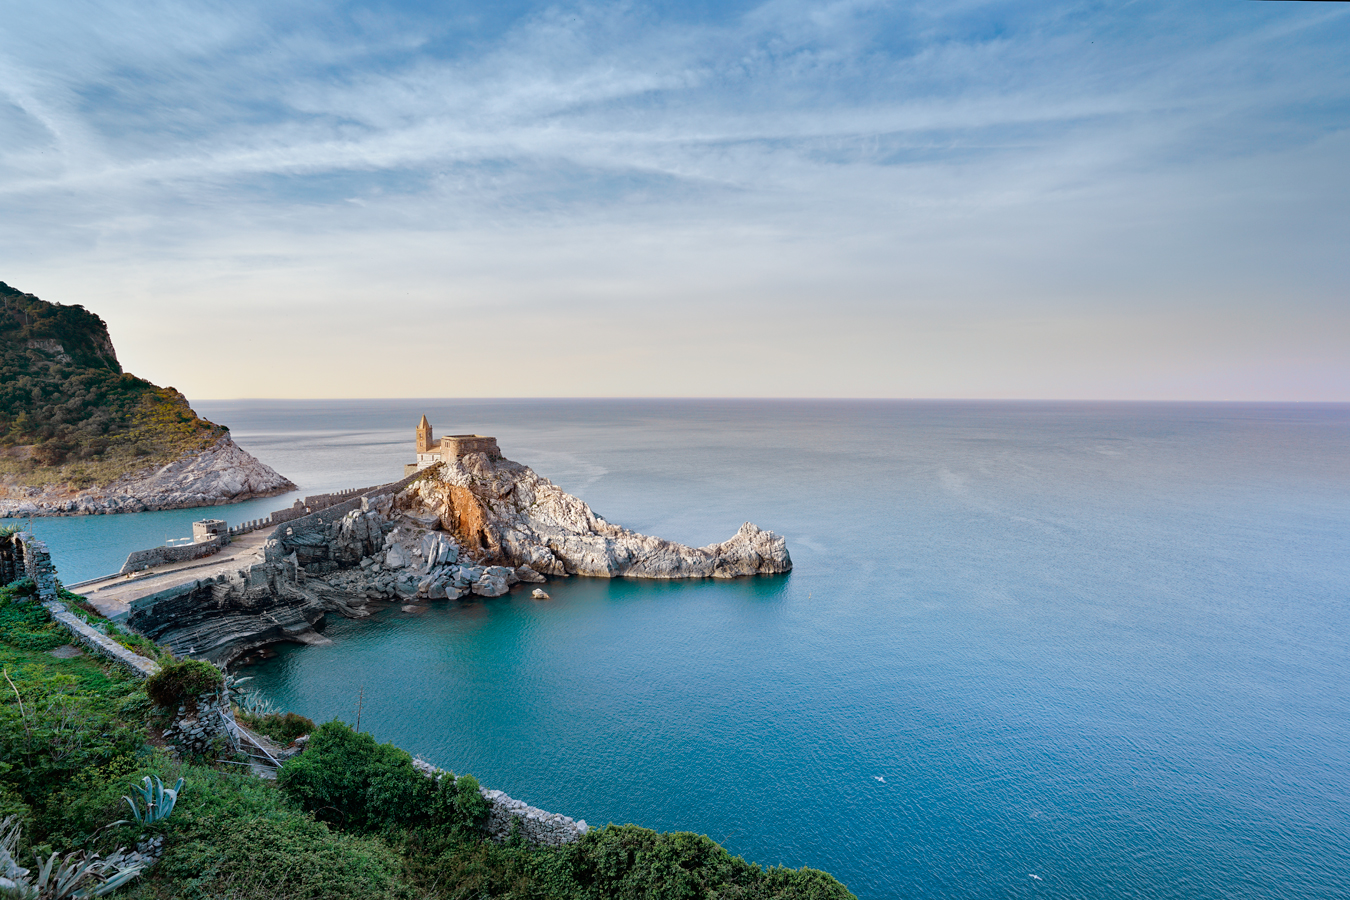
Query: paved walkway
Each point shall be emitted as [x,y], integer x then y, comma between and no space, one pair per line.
[113,595]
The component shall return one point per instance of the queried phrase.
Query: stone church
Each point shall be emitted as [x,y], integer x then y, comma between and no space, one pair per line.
[431,451]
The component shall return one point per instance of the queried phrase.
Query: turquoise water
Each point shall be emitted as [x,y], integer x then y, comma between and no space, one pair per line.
[1103,645]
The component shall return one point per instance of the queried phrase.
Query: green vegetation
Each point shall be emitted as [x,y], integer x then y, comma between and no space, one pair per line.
[180,682]
[280,727]
[69,415]
[347,818]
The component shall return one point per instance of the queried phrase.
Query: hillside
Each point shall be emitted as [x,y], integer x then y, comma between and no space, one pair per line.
[77,434]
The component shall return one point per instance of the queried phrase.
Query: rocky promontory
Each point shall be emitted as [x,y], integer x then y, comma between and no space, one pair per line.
[474,527]
[505,512]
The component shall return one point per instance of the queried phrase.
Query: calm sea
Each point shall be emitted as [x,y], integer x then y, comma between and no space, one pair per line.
[1028,650]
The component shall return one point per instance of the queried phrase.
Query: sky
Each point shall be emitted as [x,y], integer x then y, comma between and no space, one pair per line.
[1090,200]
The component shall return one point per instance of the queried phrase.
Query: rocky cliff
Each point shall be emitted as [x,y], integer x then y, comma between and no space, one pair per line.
[505,513]
[79,436]
[220,473]
[477,527]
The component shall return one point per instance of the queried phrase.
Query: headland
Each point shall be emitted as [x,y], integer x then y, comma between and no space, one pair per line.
[464,521]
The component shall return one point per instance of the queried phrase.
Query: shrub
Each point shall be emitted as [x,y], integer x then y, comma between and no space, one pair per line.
[235,836]
[458,803]
[282,727]
[348,779]
[181,682]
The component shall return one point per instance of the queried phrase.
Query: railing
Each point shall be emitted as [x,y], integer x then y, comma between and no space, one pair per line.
[257,753]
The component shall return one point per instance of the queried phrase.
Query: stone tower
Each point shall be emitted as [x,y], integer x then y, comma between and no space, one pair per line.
[424,442]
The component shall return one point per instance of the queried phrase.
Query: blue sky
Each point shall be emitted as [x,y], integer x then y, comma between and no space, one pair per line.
[967,199]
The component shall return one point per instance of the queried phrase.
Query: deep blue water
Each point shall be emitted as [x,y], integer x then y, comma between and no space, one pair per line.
[1105,645]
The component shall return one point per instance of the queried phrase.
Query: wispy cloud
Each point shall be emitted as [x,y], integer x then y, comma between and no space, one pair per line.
[883,160]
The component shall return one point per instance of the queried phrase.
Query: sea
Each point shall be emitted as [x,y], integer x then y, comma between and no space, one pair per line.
[1028,650]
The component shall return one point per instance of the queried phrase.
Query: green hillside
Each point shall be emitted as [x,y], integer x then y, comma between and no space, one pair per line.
[69,415]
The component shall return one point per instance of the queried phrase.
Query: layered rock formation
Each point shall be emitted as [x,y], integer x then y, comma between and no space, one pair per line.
[222,473]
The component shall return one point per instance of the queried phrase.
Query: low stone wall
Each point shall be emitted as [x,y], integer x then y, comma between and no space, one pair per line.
[543,829]
[206,731]
[140,560]
[100,643]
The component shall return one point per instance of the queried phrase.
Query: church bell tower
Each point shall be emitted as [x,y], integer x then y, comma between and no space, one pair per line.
[424,443]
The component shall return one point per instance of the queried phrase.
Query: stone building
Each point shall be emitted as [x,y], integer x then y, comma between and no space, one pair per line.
[431,451]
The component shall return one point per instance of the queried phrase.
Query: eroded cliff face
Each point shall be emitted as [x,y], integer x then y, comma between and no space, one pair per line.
[507,514]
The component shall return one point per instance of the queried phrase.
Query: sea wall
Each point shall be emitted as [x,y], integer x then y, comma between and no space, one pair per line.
[140,560]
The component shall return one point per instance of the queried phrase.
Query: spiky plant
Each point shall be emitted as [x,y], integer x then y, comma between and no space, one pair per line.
[255,704]
[159,800]
[76,876]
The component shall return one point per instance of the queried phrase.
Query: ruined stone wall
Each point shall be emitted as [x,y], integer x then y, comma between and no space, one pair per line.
[24,556]
[205,731]
[11,562]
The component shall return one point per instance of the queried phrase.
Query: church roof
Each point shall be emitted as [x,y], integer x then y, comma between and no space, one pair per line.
[424,423]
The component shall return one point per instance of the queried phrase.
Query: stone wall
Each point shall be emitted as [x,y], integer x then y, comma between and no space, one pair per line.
[141,560]
[100,643]
[11,562]
[204,731]
[543,829]
[24,556]
[317,503]
[288,535]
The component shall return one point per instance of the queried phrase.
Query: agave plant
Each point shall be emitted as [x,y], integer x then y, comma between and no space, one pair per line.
[255,704]
[232,683]
[159,800]
[11,873]
[76,876]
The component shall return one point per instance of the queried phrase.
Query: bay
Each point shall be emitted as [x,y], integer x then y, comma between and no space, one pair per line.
[1104,645]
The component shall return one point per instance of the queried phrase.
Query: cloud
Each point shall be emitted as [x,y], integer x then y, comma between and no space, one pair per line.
[583,166]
